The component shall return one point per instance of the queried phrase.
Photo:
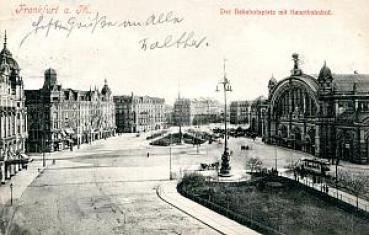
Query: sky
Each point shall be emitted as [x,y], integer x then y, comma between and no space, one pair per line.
[254,46]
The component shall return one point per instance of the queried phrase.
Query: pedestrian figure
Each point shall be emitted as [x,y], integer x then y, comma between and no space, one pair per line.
[148,154]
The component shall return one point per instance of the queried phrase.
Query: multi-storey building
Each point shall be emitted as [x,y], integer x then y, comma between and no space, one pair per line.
[182,113]
[60,118]
[239,112]
[139,113]
[13,115]
[325,115]
[196,111]
[168,113]
[258,111]
[250,112]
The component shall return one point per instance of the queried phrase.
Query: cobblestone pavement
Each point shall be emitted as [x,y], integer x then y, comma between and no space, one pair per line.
[20,182]
[101,192]
[108,187]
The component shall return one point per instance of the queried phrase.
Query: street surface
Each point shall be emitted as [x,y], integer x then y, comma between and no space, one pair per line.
[109,187]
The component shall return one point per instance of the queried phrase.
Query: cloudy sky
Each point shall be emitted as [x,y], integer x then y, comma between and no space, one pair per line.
[255,46]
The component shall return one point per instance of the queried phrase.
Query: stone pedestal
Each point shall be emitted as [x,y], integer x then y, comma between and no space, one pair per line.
[225,168]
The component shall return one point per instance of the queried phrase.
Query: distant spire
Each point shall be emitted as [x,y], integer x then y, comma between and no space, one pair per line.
[224,68]
[5,39]
[105,82]
[179,90]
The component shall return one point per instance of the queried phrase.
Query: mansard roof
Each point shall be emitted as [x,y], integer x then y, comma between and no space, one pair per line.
[345,82]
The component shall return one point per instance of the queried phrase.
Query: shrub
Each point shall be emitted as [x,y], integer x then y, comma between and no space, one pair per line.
[193,180]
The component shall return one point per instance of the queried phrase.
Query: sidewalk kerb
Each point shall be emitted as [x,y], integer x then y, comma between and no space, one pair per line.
[158,193]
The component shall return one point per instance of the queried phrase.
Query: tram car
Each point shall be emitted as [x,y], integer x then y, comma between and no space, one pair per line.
[314,166]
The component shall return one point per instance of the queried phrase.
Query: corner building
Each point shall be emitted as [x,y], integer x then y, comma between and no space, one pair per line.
[325,115]
[60,118]
[13,115]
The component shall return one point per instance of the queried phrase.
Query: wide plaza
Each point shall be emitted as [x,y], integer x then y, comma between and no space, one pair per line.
[109,187]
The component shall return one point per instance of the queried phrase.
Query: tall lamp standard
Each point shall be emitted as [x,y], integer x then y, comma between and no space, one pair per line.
[43,149]
[170,151]
[226,157]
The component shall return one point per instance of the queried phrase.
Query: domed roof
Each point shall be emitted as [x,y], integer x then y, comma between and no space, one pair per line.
[4,67]
[6,51]
[50,71]
[106,89]
[325,73]
[6,55]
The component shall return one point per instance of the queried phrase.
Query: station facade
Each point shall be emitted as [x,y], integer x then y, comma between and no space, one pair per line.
[325,115]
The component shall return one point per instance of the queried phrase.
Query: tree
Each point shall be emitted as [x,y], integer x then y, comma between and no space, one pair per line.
[355,183]
[254,163]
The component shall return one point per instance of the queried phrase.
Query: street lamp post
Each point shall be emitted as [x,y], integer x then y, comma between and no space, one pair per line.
[226,157]
[170,162]
[180,125]
[275,158]
[43,150]
[170,157]
[11,193]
